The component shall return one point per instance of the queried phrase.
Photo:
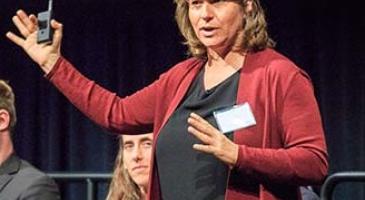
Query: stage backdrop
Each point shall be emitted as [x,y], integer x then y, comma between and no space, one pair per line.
[125,45]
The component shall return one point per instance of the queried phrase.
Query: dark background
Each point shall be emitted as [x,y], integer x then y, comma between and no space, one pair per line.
[124,45]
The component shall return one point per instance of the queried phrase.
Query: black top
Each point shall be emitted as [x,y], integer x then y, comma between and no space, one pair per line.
[184,173]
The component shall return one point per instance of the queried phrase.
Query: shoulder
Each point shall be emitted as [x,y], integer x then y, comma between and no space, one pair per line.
[180,70]
[276,66]
[35,183]
[185,65]
[27,170]
[271,60]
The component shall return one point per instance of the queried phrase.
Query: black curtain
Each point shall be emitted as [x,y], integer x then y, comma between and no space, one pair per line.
[125,45]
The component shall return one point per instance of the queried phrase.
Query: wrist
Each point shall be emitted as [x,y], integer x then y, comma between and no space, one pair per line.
[234,157]
[48,65]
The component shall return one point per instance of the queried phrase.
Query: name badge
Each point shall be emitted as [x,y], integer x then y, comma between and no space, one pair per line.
[234,118]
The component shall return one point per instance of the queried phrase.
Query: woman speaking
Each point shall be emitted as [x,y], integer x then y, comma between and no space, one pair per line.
[236,121]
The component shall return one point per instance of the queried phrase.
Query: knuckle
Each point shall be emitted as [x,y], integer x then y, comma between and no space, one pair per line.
[206,129]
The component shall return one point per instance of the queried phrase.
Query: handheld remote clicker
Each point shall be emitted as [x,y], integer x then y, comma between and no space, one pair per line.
[45,31]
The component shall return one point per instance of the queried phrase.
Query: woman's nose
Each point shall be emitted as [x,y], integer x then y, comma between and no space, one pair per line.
[207,11]
[137,154]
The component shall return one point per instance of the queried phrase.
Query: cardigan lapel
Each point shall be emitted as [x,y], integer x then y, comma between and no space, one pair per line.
[190,74]
[245,73]
[4,179]
[8,169]
[246,87]
[182,89]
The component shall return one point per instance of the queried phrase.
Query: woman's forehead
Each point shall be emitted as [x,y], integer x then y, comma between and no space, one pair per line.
[136,138]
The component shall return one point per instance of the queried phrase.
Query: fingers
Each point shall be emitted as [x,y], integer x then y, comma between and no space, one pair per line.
[213,141]
[23,23]
[14,38]
[206,139]
[202,129]
[198,118]
[203,148]
[201,124]
[34,20]
[29,23]
[20,26]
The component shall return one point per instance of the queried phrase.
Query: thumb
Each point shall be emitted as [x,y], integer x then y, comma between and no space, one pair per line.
[57,35]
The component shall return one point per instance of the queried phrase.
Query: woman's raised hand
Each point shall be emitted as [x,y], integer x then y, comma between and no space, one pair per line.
[45,55]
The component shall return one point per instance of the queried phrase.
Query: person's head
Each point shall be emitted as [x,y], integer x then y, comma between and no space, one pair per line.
[7,107]
[238,25]
[132,167]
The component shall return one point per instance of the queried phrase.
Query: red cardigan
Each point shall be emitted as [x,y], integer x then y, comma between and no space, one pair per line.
[285,149]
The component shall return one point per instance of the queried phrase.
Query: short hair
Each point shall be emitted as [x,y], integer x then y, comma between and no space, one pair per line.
[253,38]
[7,101]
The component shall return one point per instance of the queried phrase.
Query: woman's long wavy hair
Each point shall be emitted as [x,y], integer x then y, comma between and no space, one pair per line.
[122,187]
[253,38]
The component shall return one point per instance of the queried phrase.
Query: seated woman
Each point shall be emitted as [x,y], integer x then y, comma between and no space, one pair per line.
[132,166]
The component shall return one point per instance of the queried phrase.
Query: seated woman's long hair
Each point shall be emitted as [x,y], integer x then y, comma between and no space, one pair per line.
[122,187]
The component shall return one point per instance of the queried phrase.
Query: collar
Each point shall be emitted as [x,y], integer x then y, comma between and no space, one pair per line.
[11,165]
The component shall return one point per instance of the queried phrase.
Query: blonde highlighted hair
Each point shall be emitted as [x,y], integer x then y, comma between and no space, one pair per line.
[7,101]
[122,187]
[254,36]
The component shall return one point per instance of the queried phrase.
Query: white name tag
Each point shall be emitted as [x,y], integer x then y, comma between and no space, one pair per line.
[234,118]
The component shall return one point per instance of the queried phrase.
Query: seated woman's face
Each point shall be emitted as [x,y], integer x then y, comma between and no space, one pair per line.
[137,151]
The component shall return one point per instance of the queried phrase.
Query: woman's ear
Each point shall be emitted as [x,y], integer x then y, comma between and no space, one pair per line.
[4,120]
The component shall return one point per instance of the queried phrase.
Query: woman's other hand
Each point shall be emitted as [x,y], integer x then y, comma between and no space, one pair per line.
[213,141]
[45,55]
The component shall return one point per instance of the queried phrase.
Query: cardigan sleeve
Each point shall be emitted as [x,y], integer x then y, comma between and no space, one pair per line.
[132,114]
[302,159]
